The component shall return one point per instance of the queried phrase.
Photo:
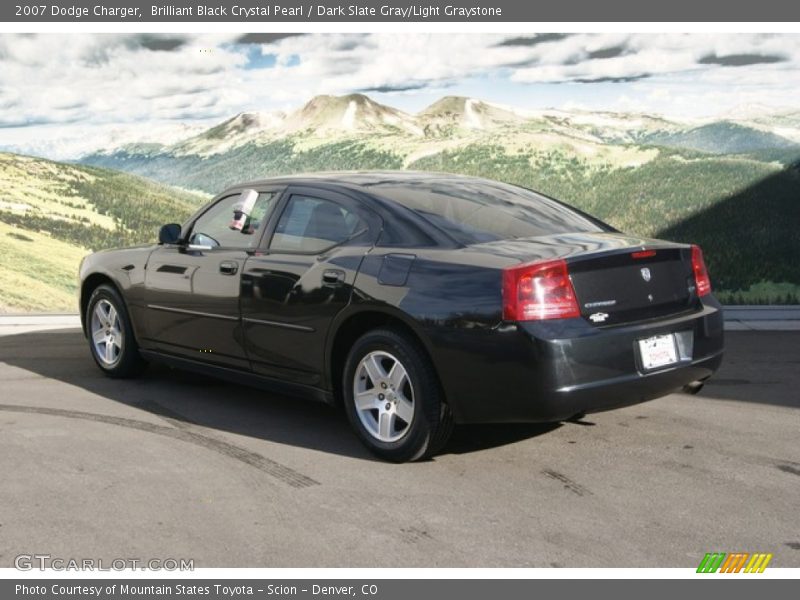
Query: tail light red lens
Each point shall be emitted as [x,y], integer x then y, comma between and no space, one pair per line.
[537,291]
[702,281]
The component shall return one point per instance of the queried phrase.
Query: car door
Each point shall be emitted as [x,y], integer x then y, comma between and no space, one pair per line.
[192,288]
[291,292]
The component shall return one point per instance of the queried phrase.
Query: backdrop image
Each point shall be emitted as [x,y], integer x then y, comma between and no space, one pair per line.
[687,137]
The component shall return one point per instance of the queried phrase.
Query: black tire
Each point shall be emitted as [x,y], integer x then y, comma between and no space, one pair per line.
[432,421]
[127,361]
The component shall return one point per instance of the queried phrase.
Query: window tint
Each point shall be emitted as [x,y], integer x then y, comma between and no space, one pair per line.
[474,211]
[233,222]
[313,224]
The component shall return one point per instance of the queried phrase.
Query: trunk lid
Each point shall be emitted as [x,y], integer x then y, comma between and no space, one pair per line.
[617,278]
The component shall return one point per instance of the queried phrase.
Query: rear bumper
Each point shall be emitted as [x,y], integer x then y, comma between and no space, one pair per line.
[550,371]
[624,390]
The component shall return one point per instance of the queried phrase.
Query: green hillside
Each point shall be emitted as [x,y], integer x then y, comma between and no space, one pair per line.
[250,161]
[52,214]
[722,137]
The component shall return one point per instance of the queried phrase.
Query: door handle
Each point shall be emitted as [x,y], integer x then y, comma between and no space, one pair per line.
[228,267]
[332,277]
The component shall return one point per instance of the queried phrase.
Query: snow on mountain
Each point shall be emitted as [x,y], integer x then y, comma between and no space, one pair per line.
[60,143]
[451,113]
[242,128]
[785,123]
[354,113]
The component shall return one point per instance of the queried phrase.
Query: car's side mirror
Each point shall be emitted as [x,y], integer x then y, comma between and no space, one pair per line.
[169,234]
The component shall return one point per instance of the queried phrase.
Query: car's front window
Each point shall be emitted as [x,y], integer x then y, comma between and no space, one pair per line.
[233,222]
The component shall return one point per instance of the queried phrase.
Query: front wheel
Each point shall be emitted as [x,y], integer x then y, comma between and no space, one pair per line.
[110,334]
[392,397]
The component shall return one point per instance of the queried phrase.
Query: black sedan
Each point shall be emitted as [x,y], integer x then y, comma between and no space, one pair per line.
[415,300]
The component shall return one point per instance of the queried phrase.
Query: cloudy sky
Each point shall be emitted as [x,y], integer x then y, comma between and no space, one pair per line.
[64,95]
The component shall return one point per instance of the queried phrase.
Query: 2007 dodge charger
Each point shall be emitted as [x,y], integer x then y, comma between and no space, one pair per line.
[416,300]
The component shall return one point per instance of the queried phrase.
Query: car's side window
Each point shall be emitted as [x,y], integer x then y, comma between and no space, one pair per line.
[233,222]
[314,224]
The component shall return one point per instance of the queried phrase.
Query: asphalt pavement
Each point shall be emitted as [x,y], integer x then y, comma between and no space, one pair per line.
[173,465]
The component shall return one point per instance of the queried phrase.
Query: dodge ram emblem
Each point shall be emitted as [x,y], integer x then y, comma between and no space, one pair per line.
[645,274]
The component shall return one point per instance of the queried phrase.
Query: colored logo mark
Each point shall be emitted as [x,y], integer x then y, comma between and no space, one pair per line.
[736,562]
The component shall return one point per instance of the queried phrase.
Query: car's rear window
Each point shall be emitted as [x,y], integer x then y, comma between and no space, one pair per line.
[475,211]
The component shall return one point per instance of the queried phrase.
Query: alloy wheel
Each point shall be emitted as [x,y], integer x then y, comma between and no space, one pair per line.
[107,333]
[383,396]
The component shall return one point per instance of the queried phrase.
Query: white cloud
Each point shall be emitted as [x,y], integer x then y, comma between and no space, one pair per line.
[73,84]
[647,55]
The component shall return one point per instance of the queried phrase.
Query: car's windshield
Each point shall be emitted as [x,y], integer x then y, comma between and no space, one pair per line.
[473,211]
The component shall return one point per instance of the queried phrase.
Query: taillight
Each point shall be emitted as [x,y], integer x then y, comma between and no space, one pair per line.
[702,281]
[537,291]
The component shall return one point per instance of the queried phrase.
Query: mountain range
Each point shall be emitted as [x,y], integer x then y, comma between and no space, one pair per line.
[456,118]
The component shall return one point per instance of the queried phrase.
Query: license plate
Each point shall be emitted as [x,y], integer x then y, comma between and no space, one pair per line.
[658,351]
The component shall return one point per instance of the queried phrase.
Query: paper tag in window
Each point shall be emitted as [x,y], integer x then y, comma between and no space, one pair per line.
[243,209]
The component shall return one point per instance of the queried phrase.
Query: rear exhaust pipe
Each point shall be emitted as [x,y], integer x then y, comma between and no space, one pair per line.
[693,387]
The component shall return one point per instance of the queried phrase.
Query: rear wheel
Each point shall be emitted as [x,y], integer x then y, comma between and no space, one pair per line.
[110,334]
[392,397]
